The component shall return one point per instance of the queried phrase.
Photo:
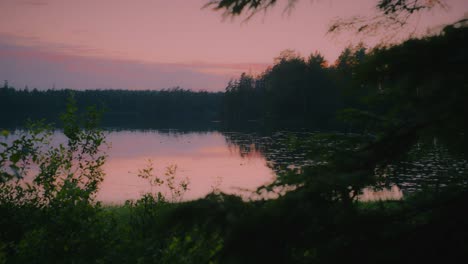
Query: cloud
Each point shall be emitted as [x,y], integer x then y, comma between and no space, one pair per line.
[35,43]
[35,68]
[227,68]
[29,61]
[36,3]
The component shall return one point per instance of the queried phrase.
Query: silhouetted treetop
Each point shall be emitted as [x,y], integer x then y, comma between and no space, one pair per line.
[237,7]
[388,7]
[391,13]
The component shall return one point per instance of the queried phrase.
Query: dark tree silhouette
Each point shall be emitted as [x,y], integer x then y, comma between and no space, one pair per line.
[391,13]
[173,106]
[293,89]
[388,7]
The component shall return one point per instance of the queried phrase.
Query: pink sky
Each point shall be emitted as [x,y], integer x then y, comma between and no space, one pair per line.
[155,44]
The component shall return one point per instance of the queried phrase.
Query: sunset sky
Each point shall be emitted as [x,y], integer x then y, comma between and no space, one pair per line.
[155,44]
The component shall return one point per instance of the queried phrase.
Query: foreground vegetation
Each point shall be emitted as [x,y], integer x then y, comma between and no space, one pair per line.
[53,217]
[49,213]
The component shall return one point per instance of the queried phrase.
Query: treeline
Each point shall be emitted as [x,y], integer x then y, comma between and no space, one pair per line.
[388,81]
[120,107]
[295,88]
[419,81]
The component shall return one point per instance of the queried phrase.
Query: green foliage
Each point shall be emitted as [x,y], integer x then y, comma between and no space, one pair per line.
[194,246]
[176,187]
[53,185]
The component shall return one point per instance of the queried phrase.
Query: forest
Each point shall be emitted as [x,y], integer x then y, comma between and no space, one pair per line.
[166,107]
[391,97]
[271,97]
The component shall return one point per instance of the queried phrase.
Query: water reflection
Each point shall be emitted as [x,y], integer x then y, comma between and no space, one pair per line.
[233,162]
[202,157]
[373,194]
[276,147]
[427,165]
[240,162]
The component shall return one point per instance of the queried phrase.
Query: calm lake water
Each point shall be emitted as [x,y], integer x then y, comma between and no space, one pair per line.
[207,159]
[240,162]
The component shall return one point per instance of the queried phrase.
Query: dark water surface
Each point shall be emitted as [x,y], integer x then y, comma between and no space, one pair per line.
[240,162]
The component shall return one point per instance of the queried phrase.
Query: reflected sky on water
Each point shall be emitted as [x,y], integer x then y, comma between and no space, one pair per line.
[205,158]
[240,162]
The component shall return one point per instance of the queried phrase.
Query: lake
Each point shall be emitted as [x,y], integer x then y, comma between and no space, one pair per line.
[238,162]
[206,158]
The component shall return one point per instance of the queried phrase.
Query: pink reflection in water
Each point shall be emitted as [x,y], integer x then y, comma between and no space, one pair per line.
[204,158]
[392,193]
